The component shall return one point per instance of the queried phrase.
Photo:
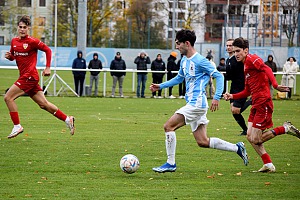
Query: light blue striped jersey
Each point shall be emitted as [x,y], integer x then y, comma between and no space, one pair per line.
[196,72]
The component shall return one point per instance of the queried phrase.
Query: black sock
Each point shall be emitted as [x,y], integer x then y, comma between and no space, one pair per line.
[240,120]
[246,105]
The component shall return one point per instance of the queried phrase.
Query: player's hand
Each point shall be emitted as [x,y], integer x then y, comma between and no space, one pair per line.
[214,105]
[227,96]
[46,71]
[7,55]
[283,88]
[154,87]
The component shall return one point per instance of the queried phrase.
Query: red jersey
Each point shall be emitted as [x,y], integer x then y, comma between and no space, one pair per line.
[24,51]
[258,77]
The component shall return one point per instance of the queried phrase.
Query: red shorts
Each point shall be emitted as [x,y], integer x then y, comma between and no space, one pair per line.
[261,115]
[28,85]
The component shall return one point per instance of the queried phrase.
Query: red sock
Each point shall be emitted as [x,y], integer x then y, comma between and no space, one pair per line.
[279,130]
[15,117]
[266,158]
[60,115]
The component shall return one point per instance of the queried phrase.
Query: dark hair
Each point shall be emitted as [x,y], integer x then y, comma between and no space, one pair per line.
[241,43]
[290,58]
[186,35]
[230,39]
[25,19]
[222,59]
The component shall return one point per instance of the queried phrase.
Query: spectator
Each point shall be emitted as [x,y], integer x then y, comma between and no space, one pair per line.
[94,77]
[222,68]
[181,86]
[118,64]
[211,83]
[141,62]
[288,78]
[158,65]
[273,66]
[79,76]
[171,66]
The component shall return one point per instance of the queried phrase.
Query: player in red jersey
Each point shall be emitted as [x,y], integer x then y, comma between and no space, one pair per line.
[257,79]
[24,50]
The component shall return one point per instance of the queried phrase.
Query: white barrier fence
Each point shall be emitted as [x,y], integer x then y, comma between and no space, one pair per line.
[54,75]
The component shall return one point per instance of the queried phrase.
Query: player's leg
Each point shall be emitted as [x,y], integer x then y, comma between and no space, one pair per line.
[236,113]
[175,122]
[9,98]
[41,100]
[254,136]
[202,140]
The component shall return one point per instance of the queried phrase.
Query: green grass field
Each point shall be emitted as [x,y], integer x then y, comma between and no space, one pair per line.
[45,162]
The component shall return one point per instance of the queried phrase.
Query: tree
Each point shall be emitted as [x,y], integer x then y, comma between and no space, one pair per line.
[291,10]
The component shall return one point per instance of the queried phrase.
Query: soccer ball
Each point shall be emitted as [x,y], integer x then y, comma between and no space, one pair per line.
[129,163]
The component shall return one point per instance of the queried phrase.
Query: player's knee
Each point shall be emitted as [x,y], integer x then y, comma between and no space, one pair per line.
[43,105]
[167,127]
[254,140]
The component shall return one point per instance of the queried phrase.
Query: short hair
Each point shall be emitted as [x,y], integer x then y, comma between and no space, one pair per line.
[25,19]
[222,59]
[230,39]
[186,35]
[241,43]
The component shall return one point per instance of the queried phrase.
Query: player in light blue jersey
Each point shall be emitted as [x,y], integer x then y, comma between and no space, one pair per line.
[196,71]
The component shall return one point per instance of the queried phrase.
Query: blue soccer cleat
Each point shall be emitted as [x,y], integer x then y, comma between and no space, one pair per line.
[242,152]
[165,168]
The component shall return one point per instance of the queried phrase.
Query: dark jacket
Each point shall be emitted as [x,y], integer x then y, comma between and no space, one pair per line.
[158,65]
[141,63]
[172,66]
[95,64]
[79,63]
[271,64]
[118,64]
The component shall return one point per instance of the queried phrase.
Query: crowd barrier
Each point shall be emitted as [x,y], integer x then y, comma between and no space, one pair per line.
[105,71]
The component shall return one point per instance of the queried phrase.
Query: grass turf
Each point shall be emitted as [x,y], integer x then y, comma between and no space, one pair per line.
[45,162]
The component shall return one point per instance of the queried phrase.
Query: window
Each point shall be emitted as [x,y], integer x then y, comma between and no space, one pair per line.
[42,3]
[181,16]
[24,3]
[181,5]
[2,22]
[1,40]
[217,9]
[208,8]
[42,21]
[253,9]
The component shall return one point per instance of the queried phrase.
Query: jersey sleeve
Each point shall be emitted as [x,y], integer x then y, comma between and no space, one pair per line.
[270,75]
[43,47]
[219,84]
[12,57]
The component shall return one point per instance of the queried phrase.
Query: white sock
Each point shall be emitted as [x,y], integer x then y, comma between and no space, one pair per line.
[269,165]
[17,126]
[67,119]
[171,146]
[217,143]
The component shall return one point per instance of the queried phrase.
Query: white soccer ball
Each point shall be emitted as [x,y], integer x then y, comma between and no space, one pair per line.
[129,163]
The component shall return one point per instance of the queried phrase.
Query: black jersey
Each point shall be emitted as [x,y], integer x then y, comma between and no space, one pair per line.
[235,73]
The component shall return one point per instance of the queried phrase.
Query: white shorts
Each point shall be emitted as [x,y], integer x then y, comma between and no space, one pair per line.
[193,116]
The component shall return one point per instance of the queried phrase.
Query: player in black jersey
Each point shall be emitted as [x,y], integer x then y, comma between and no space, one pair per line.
[235,73]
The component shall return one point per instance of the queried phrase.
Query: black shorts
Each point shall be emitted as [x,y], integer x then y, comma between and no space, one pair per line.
[238,103]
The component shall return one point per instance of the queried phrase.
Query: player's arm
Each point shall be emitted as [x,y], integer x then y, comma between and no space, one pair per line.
[270,75]
[43,47]
[10,54]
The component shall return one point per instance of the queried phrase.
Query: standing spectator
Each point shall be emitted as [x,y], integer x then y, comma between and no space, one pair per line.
[222,68]
[273,66]
[117,64]
[141,62]
[24,50]
[171,66]
[211,83]
[94,64]
[181,86]
[158,65]
[79,76]
[288,78]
